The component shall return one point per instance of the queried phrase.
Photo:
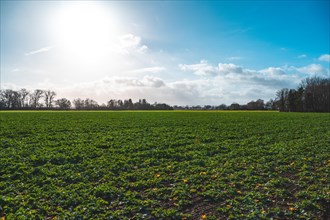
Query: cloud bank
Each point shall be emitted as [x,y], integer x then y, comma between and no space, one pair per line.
[215,84]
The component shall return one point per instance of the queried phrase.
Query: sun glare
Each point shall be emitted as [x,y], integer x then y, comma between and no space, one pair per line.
[84,30]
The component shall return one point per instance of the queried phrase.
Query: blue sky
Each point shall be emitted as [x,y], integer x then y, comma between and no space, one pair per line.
[178,52]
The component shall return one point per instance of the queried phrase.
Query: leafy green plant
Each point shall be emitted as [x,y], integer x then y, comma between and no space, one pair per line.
[164,165]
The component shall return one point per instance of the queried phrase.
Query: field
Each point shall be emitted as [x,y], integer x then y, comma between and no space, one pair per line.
[164,165]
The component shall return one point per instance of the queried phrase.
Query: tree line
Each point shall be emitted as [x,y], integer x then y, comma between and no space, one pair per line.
[252,105]
[312,95]
[45,99]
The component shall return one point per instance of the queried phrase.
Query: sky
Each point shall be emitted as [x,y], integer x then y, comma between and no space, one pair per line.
[175,52]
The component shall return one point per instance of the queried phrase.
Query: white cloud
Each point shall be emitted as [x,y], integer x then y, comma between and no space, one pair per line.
[41,50]
[227,68]
[154,69]
[325,58]
[129,40]
[234,71]
[201,69]
[12,86]
[146,81]
[131,43]
[276,73]
[301,56]
[234,58]
[313,69]
[205,69]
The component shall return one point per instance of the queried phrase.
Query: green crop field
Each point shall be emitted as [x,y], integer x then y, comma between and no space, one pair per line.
[164,165]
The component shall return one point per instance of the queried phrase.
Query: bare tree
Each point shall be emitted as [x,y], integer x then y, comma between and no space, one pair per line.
[91,104]
[6,98]
[281,97]
[24,94]
[35,97]
[3,101]
[49,98]
[79,103]
[270,105]
[10,99]
[111,104]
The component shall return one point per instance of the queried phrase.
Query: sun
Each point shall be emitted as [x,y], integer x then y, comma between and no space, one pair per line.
[84,30]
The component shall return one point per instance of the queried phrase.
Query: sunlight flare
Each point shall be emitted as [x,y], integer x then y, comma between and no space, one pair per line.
[84,31]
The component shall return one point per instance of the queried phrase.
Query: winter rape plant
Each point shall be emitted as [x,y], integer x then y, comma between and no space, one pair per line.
[164,165]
